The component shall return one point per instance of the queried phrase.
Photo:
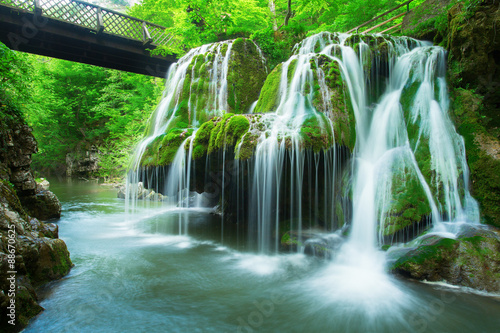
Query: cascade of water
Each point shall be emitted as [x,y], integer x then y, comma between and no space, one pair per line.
[409,123]
[171,111]
[279,159]
[404,138]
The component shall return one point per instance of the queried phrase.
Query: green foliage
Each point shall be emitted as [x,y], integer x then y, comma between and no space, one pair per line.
[275,49]
[14,78]
[73,107]
[197,22]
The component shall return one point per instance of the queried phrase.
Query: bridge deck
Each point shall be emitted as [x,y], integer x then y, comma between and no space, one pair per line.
[81,32]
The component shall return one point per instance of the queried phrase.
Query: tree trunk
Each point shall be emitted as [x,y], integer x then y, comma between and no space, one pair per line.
[272,8]
[289,12]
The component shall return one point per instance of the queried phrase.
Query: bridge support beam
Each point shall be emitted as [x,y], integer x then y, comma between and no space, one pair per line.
[25,31]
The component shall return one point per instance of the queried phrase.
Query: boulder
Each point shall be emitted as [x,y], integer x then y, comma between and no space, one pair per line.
[472,260]
[44,205]
[42,184]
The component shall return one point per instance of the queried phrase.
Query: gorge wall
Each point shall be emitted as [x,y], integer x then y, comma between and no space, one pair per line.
[30,248]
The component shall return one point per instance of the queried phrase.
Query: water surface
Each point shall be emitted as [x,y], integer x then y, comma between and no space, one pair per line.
[136,273]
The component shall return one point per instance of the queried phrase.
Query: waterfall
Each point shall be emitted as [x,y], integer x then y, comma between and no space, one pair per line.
[351,133]
[183,82]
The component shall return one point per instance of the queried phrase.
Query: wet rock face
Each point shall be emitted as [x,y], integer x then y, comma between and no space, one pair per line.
[17,144]
[82,163]
[474,72]
[44,205]
[27,246]
[40,256]
[472,260]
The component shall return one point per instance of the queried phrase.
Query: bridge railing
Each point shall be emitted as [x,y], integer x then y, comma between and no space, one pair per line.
[367,23]
[96,18]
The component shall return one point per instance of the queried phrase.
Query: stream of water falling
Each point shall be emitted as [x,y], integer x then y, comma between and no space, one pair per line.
[163,118]
[412,93]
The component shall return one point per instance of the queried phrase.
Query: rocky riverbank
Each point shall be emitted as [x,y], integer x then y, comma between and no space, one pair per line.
[31,254]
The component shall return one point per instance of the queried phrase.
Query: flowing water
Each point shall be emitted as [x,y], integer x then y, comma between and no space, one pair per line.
[138,274]
[175,266]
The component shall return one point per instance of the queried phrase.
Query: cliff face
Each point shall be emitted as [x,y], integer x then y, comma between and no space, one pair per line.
[30,252]
[474,72]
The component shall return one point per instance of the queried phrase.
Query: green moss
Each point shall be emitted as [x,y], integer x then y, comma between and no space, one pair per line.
[339,213]
[429,255]
[246,75]
[162,150]
[484,169]
[9,196]
[247,145]
[287,240]
[202,139]
[224,132]
[224,47]
[291,70]
[316,134]
[269,96]
[341,113]
[409,204]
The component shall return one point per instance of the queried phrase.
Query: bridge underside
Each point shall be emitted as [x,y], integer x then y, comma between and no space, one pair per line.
[28,32]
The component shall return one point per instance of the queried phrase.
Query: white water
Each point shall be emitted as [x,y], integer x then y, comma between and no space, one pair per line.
[383,148]
[164,117]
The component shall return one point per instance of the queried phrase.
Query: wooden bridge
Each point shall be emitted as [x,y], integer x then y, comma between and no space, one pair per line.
[82,32]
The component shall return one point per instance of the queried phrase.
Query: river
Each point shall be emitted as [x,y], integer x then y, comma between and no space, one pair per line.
[136,273]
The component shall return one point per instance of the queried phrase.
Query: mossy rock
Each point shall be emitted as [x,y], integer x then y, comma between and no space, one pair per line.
[246,75]
[162,150]
[269,98]
[472,261]
[409,208]
[228,132]
[339,108]
[480,148]
[47,260]
[316,134]
[202,139]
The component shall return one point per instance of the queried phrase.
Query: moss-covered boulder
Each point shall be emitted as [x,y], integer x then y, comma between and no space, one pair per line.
[472,260]
[221,133]
[39,258]
[316,133]
[224,77]
[331,98]
[247,72]
[269,98]
[162,149]
[325,98]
